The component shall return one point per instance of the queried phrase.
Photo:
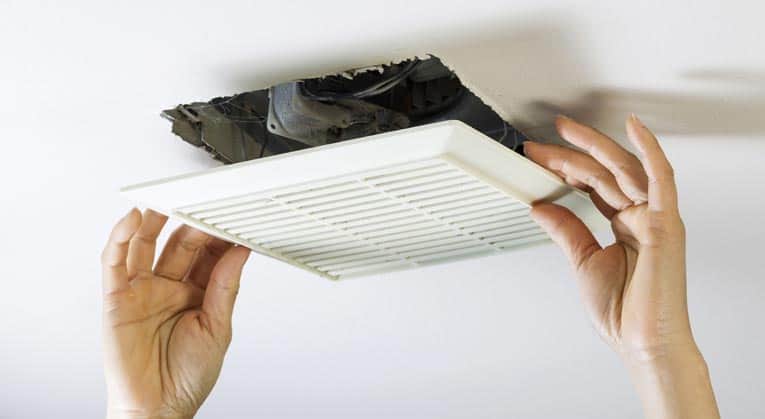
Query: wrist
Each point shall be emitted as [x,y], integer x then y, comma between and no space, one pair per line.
[654,352]
[121,413]
[666,362]
[673,382]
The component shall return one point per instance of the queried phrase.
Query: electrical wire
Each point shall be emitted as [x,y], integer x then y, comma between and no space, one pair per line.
[373,90]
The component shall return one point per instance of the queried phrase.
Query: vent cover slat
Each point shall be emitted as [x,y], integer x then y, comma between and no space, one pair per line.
[404,216]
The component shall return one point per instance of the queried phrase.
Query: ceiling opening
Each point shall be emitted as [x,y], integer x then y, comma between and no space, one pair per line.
[352,104]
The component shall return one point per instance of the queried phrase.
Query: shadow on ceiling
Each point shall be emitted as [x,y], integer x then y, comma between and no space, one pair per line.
[665,113]
[538,59]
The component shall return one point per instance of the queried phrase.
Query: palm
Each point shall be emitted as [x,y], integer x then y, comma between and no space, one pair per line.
[162,331]
[603,282]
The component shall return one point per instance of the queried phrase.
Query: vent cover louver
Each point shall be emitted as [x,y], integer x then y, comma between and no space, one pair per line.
[397,200]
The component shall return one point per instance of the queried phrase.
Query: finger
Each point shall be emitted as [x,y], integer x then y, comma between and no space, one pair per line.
[597,200]
[223,287]
[179,252]
[207,258]
[581,167]
[114,256]
[567,231]
[626,168]
[662,191]
[571,181]
[144,242]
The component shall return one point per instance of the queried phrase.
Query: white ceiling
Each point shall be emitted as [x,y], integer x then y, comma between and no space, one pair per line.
[502,336]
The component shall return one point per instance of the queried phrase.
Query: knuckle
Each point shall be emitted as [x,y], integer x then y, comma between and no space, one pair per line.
[624,167]
[144,238]
[663,226]
[664,174]
[187,246]
[575,182]
[564,164]
[664,219]
[596,179]
[227,286]
[662,178]
[230,288]
[556,228]
[215,250]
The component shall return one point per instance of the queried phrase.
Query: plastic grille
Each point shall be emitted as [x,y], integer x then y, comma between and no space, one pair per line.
[401,216]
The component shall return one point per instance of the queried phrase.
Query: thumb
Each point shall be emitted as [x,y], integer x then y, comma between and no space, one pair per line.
[567,231]
[223,287]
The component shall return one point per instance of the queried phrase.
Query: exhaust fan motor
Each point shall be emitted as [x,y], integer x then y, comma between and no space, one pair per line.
[356,103]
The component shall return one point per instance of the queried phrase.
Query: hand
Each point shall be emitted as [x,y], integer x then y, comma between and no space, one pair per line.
[634,289]
[166,327]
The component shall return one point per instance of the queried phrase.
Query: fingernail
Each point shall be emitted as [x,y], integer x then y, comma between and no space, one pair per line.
[561,116]
[129,213]
[533,213]
[541,221]
[635,119]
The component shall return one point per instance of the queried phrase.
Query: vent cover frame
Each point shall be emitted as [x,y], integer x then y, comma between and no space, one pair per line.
[422,173]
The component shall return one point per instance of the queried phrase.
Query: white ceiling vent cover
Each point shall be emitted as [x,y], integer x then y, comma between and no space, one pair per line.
[398,200]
